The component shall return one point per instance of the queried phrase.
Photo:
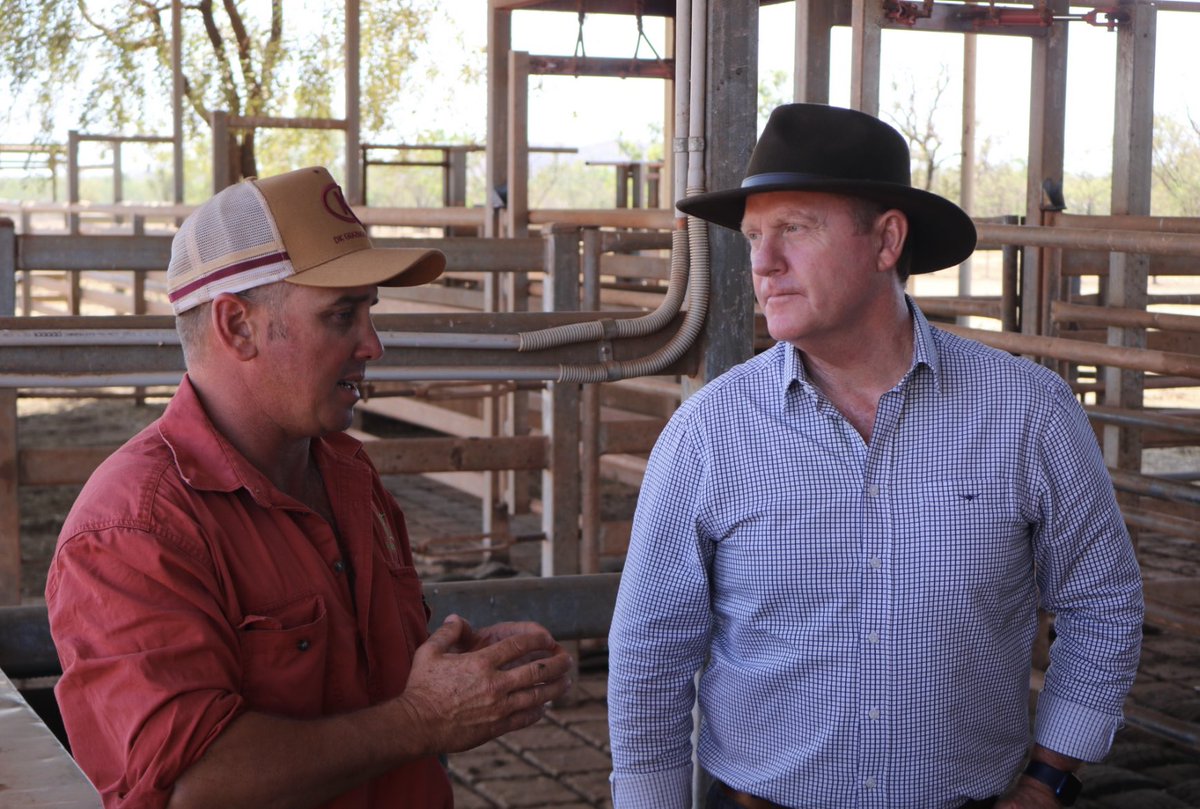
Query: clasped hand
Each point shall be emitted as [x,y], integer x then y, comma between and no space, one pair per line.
[468,686]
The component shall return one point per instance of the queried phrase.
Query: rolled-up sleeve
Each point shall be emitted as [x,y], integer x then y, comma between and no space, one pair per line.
[1088,577]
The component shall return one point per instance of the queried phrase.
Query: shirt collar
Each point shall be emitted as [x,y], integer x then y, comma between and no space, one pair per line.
[208,462]
[925,354]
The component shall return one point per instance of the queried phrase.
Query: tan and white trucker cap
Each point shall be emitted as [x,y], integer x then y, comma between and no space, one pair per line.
[293,227]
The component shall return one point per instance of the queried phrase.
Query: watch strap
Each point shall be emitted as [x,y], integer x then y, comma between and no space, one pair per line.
[1065,785]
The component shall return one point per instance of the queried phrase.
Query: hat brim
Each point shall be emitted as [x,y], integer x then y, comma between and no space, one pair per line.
[940,234]
[376,266]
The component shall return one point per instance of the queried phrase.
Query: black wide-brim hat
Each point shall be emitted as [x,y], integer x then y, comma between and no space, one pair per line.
[815,147]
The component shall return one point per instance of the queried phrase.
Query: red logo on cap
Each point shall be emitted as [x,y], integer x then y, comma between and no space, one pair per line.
[336,204]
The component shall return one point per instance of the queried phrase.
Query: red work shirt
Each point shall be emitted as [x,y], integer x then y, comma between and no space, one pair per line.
[186,589]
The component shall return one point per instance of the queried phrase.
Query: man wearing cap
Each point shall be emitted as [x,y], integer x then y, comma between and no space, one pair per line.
[848,537]
[233,595]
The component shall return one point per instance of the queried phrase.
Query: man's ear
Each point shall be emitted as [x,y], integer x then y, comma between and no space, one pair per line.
[892,227]
[233,326]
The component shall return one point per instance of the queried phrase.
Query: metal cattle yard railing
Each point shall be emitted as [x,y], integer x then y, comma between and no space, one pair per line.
[77,352]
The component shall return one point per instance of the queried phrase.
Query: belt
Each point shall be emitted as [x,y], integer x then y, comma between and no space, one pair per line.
[746,800]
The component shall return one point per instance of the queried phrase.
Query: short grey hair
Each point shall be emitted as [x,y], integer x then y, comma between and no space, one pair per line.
[192,326]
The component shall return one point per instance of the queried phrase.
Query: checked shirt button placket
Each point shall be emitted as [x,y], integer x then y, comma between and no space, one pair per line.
[876,587]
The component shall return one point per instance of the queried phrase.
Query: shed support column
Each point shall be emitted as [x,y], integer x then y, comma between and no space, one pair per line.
[354,184]
[499,43]
[518,145]
[866,27]
[73,179]
[221,155]
[1127,274]
[1047,122]
[10,522]
[810,76]
[177,98]
[731,112]
[561,500]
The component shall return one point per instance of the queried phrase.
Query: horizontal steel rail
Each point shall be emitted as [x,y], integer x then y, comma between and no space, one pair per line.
[570,607]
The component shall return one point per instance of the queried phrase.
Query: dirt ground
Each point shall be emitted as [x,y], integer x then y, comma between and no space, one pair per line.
[65,423]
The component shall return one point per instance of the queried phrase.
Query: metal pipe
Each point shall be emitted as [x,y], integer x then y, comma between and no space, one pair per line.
[448,373]
[1154,487]
[1140,418]
[1062,311]
[571,607]
[1137,359]
[695,254]
[1162,523]
[1113,241]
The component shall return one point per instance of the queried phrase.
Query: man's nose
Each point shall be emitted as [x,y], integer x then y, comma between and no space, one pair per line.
[371,347]
[765,258]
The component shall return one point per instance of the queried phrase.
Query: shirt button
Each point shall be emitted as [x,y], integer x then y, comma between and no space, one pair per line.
[870,782]
[873,637]
[303,645]
[876,563]
[339,566]
[873,490]
[873,713]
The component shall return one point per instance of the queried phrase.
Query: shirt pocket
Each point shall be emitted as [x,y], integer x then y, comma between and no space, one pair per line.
[966,533]
[283,649]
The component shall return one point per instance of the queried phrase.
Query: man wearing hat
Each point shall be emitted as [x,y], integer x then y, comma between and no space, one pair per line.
[848,536]
[233,595]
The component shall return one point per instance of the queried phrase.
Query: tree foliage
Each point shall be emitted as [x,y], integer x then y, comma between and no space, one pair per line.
[1176,187]
[241,56]
[916,120]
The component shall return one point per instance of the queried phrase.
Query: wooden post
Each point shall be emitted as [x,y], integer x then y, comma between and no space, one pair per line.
[177,97]
[8,267]
[967,165]
[118,183]
[10,520]
[732,123]
[1127,274]
[1047,123]
[220,150]
[560,417]
[810,76]
[499,43]
[518,145]
[73,179]
[353,180]
[866,27]
[592,528]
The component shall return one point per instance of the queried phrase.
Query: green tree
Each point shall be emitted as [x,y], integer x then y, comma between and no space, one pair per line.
[999,184]
[1176,168]
[238,56]
[773,89]
[916,120]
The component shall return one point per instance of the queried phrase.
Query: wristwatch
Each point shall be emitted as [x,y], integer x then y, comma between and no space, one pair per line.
[1065,785]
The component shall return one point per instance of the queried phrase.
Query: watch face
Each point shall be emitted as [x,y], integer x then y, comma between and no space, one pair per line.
[1068,791]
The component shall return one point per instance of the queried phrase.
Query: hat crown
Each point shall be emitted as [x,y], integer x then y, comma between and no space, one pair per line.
[817,148]
[831,142]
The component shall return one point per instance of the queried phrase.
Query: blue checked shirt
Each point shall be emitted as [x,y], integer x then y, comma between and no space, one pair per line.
[864,614]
